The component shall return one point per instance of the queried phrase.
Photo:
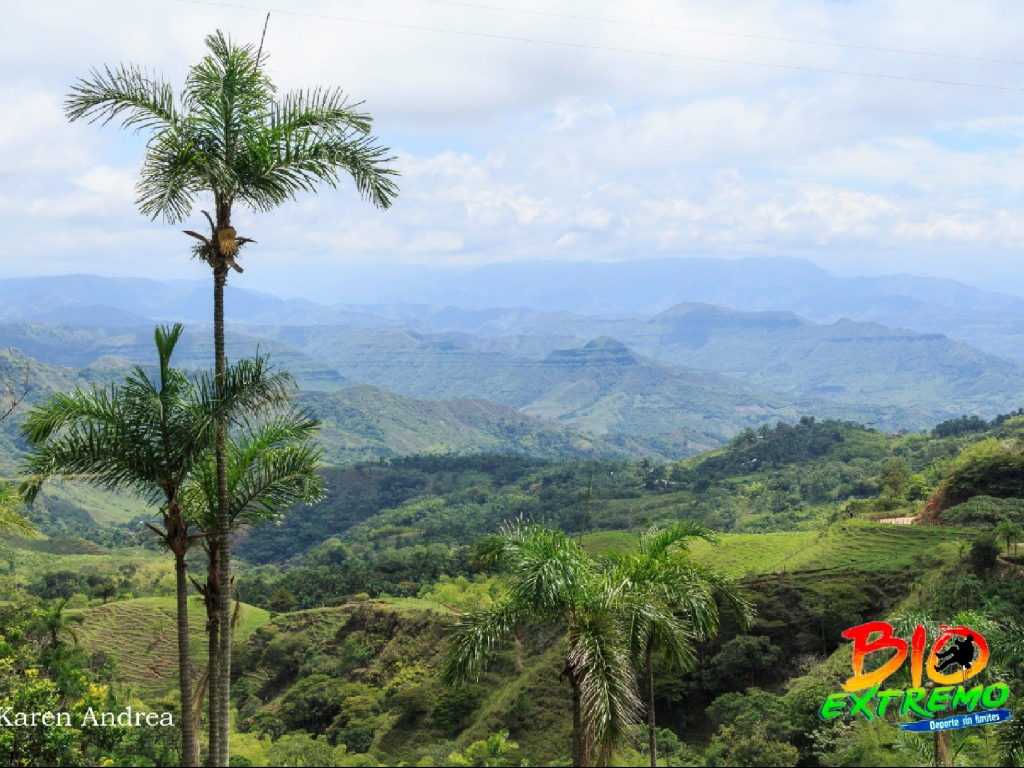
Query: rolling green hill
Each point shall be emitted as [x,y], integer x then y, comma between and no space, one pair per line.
[853,545]
[928,376]
[601,388]
[366,422]
[139,634]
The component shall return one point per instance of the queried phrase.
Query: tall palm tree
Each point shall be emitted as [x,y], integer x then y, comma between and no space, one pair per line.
[271,467]
[552,581]
[227,140]
[659,585]
[146,437]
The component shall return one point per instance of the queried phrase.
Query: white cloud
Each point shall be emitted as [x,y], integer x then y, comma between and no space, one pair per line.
[513,150]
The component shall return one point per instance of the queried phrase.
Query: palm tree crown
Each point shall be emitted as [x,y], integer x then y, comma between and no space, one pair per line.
[552,581]
[227,135]
[143,436]
[271,467]
[670,601]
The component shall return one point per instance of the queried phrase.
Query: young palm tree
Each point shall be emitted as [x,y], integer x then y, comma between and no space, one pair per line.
[659,585]
[53,620]
[228,141]
[12,521]
[552,581]
[271,467]
[146,437]
[1010,532]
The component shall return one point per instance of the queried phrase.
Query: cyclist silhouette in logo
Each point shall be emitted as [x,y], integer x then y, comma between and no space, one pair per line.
[961,653]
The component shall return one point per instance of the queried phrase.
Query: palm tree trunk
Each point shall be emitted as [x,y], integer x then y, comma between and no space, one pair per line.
[213,655]
[577,725]
[188,736]
[223,519]
[213,650]
[651,735]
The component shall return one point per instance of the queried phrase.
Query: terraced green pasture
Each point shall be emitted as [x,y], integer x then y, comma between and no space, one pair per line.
[854,544]
[141,635]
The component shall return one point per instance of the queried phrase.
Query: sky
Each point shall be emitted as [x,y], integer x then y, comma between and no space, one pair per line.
[652,128]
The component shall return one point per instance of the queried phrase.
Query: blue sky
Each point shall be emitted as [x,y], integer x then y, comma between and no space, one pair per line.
[518,151]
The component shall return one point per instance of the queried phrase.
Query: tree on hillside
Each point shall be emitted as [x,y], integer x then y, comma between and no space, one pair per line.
[895,478]
[553,582]
[228,141]
[13,388]
[271,467]
[11,518]
[146,437]
[661,583]
[1009,532]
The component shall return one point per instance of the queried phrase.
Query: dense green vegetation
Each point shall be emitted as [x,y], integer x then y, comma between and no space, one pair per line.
[353,600]
[44,668]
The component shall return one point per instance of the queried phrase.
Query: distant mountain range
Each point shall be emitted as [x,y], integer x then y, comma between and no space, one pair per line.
[639,376]
[364,422]
[778,362]
[94,346]
[992,322]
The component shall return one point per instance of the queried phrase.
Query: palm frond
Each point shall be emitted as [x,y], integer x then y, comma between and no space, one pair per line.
[226,97]
[12,521]
[173,175]
[658,542]
[59,410]
[145,101]
[476,637]
[252,388]
[110,457]
[285,165]
[325,111]
[599,661]
[546,569]
[271,467]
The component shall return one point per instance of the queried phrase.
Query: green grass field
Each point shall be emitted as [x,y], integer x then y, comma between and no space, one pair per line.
[31,561]
[141,635]
[103,506]
[853,544]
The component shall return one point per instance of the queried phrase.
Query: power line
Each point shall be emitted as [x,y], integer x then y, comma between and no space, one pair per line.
[722,32]
[606,48]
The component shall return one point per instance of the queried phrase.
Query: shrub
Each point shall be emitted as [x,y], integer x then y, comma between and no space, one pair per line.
[455,707]
[984,512]
[984,553]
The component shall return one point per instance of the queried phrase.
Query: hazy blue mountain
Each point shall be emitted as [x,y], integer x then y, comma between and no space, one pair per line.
[845,361]
[599,386]
[99,348]
[991,321]
[110,301]
[361,422]
[487,300]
